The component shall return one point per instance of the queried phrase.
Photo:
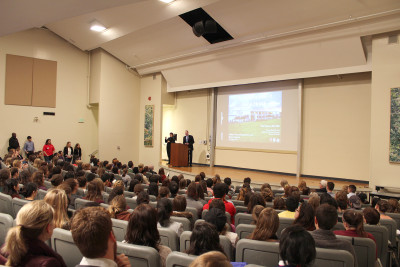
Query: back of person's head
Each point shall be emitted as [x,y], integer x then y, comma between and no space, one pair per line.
[267,225]
[314,200]
[228,181]
[56,180]
[4,176]
[326,216]
[279,203]
[247,197]
[292,203]
[153,189]
[93,191]
[138,188]
[330,186]
[352,188]
[116,191]
[383,205]
[182,184]
[10,187]
[220,190]
[173,188]
[69,174]
[91,176]
[29,189]
[354,219]
[341,199]
[209,182]
[59,201]
[217,204]
[211,259]
[142,227]
[143,198]
[355,202]
[306,216]
[197,178]
[204,238]
[155,178]
[132,185]
[32,220]
[247,180]
[255,199]
[217,218]
[201,190]
[90,229]
[192,191]
[81,181]
[394,206]
[164,211]
[105,177]
[163,192]
[202,175]
[14,171]
[297,247]
[267,194]
[179,203]
[117,205]
[375,201]
[328,199]
[363,197]
[371,216]
[283,183]
[256,212]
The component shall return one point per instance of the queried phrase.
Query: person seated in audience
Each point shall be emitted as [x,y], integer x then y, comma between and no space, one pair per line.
[267,226]
[182,184]
[37,163]
[143,198]
[204,238]
[255,199]
[342,201]
[163,192]
[243,191]
[247,180]
[11,188]
[267,194]
[325,198]
[82,182]
[38,179]
[220,193]
[228,182]
[125,177]
[132,185]
[14,172]
[217,217]
[256,213]
[57,199]
[5,174]
[25,243]
[201,191]
[166,182]
[304,216]
[363,198]
[291,204]
[142,230]
[382,207]
[279,203]
[296,247]
[210,184]
[164,212]
[394,206]
[371,216]
[117,208]
[326,218]
[173,188]
[30,191]
[354,202]
[329,189]
[351,190]
[286,191]
[192,198]
[106,179]
[322,186]
[91,230]
[210,259]
[179,208]
[161,172]
[119,183]
[303,188]
[202,175]
[94,193]
[56,180]
[153,189]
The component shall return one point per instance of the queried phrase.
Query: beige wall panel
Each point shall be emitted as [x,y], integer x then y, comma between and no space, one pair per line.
[18,90]
[44,83]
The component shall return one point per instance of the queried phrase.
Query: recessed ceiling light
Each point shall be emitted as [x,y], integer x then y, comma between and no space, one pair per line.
[97,26]
[167,1]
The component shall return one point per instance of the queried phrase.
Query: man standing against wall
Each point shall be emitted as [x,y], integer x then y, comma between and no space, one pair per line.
[13,142]
[29,146]
[189,141]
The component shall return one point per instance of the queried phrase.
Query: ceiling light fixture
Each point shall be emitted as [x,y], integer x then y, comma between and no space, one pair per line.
[97,26]
[167,1]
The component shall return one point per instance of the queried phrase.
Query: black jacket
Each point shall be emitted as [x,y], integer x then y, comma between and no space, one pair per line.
[191,141]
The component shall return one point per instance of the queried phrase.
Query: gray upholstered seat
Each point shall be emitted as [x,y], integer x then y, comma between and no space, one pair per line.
[283,223]
[391,226]
[128,194]
[80,192]
[193,211]
[63,244]
[105,197]
[257,252]
[338,226]
[41,194]
[119,227]
[238,203]
[241,209]
[169,238]
[153,204]
[5,204]
[108,189]
[17,204]
[179,259]
[244,230]
[48,184]
[80,203]
[243,218]
[139,256]
[364,248]
[6,222]
[396,217]
[153,198]
[184,221]
[382,237]
[333,258]
[131,202]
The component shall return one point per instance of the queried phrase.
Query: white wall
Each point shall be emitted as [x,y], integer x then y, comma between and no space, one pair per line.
[72,71]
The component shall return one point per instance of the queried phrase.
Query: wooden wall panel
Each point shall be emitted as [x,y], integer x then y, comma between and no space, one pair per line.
[18,89]
[44,83]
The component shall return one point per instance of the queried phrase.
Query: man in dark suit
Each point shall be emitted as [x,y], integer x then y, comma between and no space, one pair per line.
[189,141]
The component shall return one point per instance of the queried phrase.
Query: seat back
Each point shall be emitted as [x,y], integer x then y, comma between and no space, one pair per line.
[17,205]
[80,192]
[333,258]
[179,259]
[193,211]
[108,190]
[243,218]
[139,256]
[117,177]
[338,226]
[105,197]
[104,205]
[238,203]
[80,203]
[283,223]
[391,226]
[119,228]
[153,198]
[364,248]
[128,194]
[63,244]
[169,238]
[228,215]
[241,209]
[244,230]
[48,184]
[131,202]
[187,226]
[184,241]
[6,222]
[396,217]
[41,194]
[5,204]
[153,204]
[381,236]
[257,252]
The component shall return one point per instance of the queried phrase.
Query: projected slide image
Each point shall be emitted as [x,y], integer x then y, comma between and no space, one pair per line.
[255,117]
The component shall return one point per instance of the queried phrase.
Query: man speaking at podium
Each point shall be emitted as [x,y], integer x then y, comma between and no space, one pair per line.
[189,141]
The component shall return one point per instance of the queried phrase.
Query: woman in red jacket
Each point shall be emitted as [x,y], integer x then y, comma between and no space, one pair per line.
[48,151]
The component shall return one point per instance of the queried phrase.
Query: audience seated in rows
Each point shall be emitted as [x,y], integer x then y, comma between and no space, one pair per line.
[267,226]
[220,191]
[164,212]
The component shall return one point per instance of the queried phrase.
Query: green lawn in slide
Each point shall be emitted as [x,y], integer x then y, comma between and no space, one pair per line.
[254,131]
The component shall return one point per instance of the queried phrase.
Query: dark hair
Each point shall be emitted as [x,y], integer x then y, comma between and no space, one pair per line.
[91,176]
[330,185]
[179,204]
[132,185]
[143,198]
[217,204]
[117,191]
[383,205]
[228,181]
[29,188]
[163,192]
[192,191]
[142,227]
[355,220]
[279,203]
[217,218]
[375,201]
[155,178]
[209,182]
[220,190]
[56,180]
[9,187]
[14,170]
[182,184]
[371,216]
[363,197]
[297,246]
[255,199]
[247,180]
[47,141]
[29,137]
[173,188]
[328,199]
[175,179]
[81,181]
[69,174]
[130,164]
[292,203]
[200,190]
[164,210]
[153,189]
[352,188]
[306,217]
[326,216]
[204,238]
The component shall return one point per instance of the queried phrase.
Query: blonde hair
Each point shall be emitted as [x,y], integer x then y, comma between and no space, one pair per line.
[32,220]
[212,258]
[119,183]
[117,205]
[37,163]
[57,199]
[16,163]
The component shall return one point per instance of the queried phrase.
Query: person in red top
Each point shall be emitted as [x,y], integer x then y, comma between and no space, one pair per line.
[220,191]
[353,222]
[48,150]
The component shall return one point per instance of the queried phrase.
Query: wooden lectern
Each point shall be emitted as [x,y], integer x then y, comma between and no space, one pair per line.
[179,155]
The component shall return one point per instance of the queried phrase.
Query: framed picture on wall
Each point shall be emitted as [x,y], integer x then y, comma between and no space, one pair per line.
[394,149]
[148,125]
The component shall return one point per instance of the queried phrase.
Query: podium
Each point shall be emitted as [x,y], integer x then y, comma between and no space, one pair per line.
[179,155]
